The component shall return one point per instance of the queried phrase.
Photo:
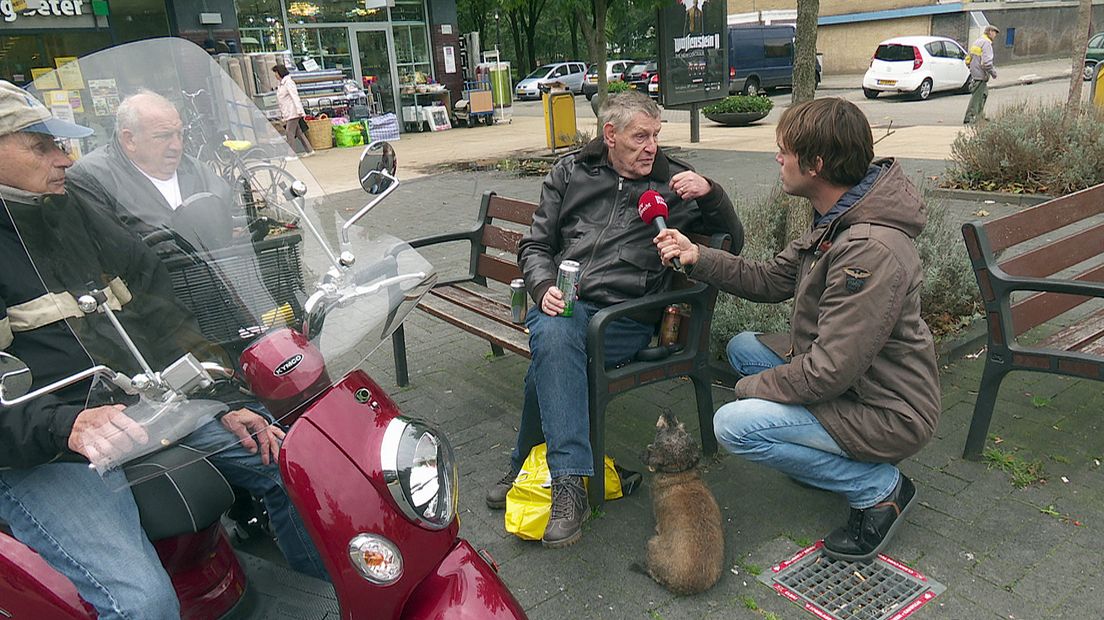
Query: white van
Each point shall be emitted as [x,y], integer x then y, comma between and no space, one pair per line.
[570,73]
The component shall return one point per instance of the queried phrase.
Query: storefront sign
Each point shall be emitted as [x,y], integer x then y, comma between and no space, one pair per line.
[693,59]
[45,13]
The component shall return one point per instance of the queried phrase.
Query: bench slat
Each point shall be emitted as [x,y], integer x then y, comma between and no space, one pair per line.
[501,239]
[1083,334]
[1057,255]
[492,331]
[478,302]
[1042,307]
[509,209]
[497,269]
[1013,229]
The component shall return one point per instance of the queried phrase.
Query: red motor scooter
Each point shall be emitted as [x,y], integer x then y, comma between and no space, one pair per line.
[377,490]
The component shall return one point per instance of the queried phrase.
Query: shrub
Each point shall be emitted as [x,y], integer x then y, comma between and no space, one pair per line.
[617,86]
[949,297]
[739,103]
[1035,148]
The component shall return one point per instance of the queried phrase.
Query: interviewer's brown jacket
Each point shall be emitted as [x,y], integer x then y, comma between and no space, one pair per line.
[860,358]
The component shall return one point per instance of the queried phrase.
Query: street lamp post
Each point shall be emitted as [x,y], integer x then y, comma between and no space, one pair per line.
[498,31]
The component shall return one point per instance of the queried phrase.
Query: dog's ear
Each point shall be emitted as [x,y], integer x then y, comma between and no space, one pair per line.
[661,423]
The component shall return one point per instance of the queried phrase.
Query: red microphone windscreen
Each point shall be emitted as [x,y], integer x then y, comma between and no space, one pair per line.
[651,206]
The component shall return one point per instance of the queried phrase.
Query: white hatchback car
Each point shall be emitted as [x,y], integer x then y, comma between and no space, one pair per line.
[569,73]
[918,65]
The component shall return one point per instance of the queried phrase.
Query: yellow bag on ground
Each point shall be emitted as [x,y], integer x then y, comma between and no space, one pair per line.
[529,501]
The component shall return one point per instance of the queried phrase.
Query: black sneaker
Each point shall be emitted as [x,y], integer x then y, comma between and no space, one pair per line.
[570,509]
[496,496]
[868,531]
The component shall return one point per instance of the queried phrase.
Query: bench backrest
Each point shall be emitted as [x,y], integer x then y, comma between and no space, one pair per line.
[985,242]
[505,220]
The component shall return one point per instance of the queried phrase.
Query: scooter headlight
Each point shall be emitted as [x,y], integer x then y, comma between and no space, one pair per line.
[376,558]
[420,471]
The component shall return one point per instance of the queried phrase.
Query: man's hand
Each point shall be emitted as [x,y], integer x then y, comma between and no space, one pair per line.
[553,303]
[690,185]
[105,434]
[255,431]
[673,244]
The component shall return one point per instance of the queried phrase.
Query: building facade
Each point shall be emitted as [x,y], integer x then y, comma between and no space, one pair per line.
[849,30]
[391,42]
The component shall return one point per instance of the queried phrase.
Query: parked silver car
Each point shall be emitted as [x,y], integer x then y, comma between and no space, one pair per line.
[570,73]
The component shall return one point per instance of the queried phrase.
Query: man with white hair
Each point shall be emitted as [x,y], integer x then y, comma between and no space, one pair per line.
[144,178]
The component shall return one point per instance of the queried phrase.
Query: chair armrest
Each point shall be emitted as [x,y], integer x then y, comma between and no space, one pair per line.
[695,296]
[1051,285]
[467,235]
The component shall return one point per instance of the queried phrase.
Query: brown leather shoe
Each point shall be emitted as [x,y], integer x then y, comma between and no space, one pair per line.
[570,509]
[868,531]
[496,495]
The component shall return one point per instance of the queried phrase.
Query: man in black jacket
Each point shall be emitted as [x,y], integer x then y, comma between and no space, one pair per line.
[144,178]
[53,250]
[588,213]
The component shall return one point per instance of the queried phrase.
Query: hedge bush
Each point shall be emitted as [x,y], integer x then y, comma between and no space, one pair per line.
[739,103]
[1031,148]
[949,297]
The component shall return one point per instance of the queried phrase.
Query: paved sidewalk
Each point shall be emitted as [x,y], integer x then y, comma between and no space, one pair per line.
[1002,551]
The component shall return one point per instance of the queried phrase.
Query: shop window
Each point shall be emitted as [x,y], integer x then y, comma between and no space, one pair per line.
[260,25]
[133,20]
[332,11]
[21,53]
[408,11]
[412,52]
[329,47]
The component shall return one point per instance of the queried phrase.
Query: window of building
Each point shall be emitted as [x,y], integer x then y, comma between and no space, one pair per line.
[329,47]
[408,11]
[21,53]
[331,11]
[261,25]
[411,51]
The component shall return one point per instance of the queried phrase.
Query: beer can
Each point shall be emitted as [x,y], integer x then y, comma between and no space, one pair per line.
[669,328]
[519,303]
[568,283]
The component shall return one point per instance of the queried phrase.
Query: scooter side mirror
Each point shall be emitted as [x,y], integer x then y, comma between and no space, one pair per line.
[15,377]
[377,157]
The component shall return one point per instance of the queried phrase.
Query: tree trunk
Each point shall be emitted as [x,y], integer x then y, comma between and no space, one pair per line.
[519,45]
[804,71]
[573,25]
[594,32]
[1081,36]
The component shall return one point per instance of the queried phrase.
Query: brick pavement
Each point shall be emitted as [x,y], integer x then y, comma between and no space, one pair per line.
[1001,551]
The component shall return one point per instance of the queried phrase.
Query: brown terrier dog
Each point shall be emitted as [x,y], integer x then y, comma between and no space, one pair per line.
[687,552]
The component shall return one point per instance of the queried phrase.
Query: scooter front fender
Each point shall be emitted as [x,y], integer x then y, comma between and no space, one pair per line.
[463,586]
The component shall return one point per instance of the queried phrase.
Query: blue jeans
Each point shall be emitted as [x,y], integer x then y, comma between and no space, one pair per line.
[555,410]
[790,439]
[92,534]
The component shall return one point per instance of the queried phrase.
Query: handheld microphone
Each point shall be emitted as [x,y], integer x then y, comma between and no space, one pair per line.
[653,209]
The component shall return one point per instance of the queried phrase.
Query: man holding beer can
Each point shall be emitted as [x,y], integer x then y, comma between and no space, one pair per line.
[587,237]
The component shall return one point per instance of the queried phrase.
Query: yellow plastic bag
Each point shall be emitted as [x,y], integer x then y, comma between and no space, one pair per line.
[529,501]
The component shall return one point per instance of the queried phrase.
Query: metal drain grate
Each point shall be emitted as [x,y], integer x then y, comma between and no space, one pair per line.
[883,589]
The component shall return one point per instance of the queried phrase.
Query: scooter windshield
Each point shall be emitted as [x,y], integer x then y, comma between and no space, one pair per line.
[192,268]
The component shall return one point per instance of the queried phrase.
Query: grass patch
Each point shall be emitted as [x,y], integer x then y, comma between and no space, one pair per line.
[1039,402]
[749,603]
[1022,472]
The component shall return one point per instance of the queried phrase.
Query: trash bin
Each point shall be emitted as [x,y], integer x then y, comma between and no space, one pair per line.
[559,118]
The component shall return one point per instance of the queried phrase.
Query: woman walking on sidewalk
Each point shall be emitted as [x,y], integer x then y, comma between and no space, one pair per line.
[291,112]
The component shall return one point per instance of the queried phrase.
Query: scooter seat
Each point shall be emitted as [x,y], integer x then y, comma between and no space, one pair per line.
[182,497]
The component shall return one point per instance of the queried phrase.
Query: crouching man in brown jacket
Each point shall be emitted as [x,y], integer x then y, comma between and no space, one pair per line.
[858,389]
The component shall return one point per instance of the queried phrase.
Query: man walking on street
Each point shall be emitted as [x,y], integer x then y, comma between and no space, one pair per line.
[981,69]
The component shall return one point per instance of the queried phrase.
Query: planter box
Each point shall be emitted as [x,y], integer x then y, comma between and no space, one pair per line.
[735,119]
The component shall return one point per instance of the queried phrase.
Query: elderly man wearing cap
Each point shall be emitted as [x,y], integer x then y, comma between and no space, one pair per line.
[53,502]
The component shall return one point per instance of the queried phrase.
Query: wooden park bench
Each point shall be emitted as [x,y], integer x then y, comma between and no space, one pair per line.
[1063,272]
[470,304]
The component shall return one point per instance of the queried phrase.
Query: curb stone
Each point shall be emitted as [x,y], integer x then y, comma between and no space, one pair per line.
[1023,200]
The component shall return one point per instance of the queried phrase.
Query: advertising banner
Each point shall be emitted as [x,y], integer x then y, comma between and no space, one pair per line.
[693,51]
